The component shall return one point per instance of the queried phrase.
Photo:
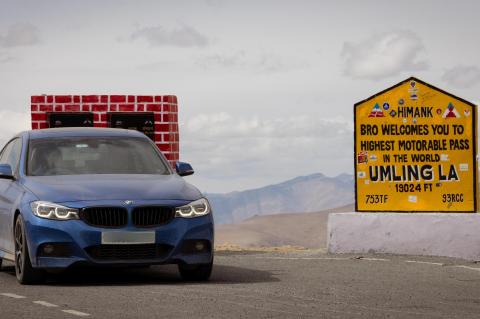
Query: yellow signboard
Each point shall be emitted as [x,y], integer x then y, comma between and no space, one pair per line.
[415,150]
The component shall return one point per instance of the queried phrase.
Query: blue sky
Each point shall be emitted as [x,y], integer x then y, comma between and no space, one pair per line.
[266,88]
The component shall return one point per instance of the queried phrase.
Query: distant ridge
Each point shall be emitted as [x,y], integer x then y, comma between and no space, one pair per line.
[308,230]
[311,193]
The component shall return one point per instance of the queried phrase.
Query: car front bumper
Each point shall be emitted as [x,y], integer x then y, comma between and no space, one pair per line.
[174,243]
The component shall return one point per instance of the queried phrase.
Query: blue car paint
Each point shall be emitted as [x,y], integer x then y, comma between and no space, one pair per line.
[79,191]
[121,187]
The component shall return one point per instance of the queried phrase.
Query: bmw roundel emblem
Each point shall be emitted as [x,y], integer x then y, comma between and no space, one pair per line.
[128,202]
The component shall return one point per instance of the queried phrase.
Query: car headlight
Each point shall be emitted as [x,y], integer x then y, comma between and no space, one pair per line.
[53,211]
[197,208]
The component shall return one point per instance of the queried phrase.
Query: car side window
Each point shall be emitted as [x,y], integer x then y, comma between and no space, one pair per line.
[5,152]
[11,153]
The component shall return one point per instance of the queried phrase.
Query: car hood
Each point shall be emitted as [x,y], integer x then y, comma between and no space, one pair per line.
[69,188]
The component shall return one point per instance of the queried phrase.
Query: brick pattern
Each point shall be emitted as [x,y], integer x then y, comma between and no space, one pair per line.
[164,108]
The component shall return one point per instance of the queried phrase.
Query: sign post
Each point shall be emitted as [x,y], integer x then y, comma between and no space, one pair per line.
[415,151]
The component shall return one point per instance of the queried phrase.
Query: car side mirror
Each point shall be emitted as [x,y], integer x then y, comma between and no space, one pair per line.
[184,169]
[6,171]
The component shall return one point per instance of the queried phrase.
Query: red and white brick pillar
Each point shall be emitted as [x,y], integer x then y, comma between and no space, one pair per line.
[163,107]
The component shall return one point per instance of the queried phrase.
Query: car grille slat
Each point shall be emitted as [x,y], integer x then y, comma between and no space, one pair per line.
[110,218]
[129,252]
[105,216]
[152,216]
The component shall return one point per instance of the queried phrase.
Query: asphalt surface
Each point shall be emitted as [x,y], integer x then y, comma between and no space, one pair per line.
[263,285]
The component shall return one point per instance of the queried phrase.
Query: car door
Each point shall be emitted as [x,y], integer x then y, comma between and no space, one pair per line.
[9,192]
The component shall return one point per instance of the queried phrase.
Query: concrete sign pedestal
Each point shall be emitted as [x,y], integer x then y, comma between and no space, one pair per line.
[429,234]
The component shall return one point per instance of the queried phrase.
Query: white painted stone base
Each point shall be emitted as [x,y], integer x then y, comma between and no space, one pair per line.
[429,234]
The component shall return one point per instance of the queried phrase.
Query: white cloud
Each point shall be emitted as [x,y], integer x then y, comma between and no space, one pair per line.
[251,62]
[237,59]
[270,63]
[226,147]
[20,34]
[5,57]
[12,123]
[215,3]
[184,36]
[384,55]
[462,76]
[224,125]
[17,35]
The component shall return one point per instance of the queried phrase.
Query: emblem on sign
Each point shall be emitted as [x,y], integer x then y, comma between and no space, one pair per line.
[413,90]
[450,112]
[376,111]
[362,157]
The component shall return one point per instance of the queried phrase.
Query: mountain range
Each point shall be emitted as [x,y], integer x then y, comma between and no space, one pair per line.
[302,194]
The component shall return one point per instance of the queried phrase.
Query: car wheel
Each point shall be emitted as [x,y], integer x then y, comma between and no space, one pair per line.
[24,271]
[1,263]
[195,272]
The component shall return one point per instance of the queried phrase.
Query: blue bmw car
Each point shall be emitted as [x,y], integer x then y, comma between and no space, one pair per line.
[98,196]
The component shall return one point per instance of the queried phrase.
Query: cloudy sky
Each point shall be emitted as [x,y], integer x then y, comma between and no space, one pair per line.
[266,88]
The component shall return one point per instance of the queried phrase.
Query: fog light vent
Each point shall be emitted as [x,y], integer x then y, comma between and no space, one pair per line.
[54,250]
[200,246]
[192,246]
[48,249]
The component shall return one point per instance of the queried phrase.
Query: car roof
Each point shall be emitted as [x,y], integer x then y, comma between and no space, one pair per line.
[82,132]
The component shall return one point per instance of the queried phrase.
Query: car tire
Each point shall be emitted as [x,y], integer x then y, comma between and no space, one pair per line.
[24,271]
[195,272]
[1,260]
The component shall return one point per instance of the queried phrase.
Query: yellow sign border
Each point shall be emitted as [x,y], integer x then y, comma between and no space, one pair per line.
[474,153]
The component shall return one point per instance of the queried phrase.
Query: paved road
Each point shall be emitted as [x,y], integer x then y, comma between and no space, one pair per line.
[301,285]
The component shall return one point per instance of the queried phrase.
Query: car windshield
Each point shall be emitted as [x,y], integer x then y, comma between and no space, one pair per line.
[93,155]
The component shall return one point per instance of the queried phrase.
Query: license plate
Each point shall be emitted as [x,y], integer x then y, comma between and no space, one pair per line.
[128,237]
